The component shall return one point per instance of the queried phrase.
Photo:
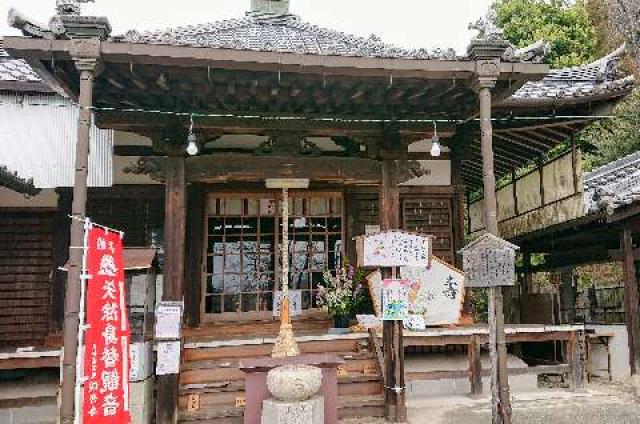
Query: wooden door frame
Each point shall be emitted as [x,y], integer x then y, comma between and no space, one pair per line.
[258,316]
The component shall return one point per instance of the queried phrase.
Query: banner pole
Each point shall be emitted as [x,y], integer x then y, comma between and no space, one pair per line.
[84,278]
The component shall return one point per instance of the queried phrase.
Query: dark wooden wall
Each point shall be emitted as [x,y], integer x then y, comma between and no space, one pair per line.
[136,210]
[26,240]
[428,210]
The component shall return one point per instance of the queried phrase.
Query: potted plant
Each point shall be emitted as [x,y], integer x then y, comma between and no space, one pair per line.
[340,294]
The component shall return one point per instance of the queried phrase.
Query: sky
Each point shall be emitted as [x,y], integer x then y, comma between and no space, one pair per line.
[406,23]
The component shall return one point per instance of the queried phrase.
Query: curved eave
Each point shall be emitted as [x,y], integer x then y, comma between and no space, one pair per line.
[606,91]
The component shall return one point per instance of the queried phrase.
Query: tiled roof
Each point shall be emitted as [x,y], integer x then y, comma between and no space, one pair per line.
[13,181]
[613,185]
[601,77]
[16,71]
[280,33]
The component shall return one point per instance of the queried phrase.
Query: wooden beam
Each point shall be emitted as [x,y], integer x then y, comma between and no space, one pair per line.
[173,273]
[142,123]
[631,300]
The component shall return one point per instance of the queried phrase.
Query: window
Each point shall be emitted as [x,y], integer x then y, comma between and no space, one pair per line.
[243,249]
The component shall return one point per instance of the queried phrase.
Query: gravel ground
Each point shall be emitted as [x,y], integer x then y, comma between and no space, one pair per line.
[600,404]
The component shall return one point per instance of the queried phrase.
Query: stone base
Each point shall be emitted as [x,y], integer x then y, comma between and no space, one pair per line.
[309,411]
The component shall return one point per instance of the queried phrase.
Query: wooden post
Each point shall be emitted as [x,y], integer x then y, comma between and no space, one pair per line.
[392,336]
[501,402]
[59,257]
[567,295]
[631,299]
[574,356]
[193,273]
[475,366]
[87,68]
[173,273]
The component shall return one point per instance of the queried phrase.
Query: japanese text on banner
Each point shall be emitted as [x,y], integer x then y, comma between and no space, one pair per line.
[106,361]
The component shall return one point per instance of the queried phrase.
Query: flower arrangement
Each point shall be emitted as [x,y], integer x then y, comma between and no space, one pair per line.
[341,293]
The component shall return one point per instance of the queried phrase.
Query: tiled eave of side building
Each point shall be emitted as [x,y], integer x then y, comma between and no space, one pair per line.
[613,186]
[598,80]
[17,76]
[14,182]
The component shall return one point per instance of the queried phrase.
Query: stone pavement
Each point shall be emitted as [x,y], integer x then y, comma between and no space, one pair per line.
[596,405]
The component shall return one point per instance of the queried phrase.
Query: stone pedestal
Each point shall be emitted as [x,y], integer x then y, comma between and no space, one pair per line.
[256,390]
[310,411]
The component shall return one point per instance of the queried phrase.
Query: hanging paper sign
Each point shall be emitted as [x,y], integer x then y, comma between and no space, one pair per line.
[168,360]
[168,320]
[435,293]
[395,299]
[295,302]
[106,354]
[393,248]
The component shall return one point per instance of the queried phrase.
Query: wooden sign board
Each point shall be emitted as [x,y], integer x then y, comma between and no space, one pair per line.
[241,402]
[370,369]
[435,293]
[393,248]
[342,371]
[193,404]
[489,261]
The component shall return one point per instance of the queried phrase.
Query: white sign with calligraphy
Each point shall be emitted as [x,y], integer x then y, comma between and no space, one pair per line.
[435,293]
[393,248]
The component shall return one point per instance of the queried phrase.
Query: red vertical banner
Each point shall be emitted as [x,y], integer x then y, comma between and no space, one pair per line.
[106,354]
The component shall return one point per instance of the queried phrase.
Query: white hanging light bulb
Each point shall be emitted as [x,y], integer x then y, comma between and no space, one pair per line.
[435,142]
[192,144]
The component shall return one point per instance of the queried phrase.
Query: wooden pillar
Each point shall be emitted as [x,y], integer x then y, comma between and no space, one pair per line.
[498,349]
[631,299]
[457,209]
[87,68]
[392,336]
[567,295]
[173,273]
[59,257]
[194,259]
[475,366]
[574,355]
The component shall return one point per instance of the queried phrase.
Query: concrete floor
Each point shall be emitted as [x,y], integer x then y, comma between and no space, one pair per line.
[597,405]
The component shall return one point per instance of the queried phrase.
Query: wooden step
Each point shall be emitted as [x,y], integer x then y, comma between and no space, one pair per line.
[264,349]
[212,372]
[361,406]
[212,413]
